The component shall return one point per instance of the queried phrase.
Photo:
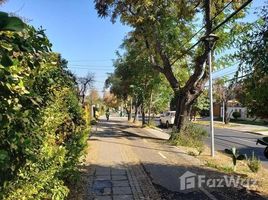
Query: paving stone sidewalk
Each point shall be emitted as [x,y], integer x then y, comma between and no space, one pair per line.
[115,172]
[108,184]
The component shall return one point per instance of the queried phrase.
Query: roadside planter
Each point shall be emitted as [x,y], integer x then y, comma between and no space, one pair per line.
[264,141]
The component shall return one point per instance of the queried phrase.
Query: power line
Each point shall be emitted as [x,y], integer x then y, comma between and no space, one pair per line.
[233,72]
[205,25]
[90,60]
[90,65]
[215,28]
[219,70]
[231,15]
[231,69]
[95,69]
[235,78]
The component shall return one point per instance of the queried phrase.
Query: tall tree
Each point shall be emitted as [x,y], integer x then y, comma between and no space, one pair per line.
[166,29]
[253,70]
[84,84]
[134,79]
[223,92]
[110,100]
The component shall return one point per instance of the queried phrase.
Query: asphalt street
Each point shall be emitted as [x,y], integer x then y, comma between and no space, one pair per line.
[244,142]
[226,138]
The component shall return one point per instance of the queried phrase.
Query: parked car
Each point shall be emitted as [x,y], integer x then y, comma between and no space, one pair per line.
[167,118]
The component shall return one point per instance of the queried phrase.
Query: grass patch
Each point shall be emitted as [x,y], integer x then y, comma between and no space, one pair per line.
[254,163]
[226,169]
[191,135]
[217,124]
[223,163]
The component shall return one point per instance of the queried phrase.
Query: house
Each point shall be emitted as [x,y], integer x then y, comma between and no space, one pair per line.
[232,106]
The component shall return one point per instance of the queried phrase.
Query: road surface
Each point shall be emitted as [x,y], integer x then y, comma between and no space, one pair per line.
[127,162]
[226,139]
[244,142]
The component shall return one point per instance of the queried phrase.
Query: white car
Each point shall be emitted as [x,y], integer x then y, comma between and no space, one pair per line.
[167,118]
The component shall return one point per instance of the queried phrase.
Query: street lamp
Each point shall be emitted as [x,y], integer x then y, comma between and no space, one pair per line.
[211,40]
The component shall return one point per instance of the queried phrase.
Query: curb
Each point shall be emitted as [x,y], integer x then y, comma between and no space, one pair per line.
[249,132]
[253,133]
[158,129]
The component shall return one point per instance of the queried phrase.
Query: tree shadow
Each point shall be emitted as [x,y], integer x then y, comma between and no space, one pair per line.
[158,181]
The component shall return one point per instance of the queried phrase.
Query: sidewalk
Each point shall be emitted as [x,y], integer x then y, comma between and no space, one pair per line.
[115,174]
[254,129]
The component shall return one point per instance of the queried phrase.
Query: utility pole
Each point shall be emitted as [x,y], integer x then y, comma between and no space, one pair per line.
[211,106]
[210,41]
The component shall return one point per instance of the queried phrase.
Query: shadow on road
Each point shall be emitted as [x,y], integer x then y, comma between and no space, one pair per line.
[121,130]
[93,184]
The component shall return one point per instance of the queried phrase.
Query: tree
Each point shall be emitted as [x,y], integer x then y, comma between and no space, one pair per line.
[84,84]
[222,95]
[223,92]
[165,29]
[253,67]
[201,105]
[110,100]
[93,96]
[134,79]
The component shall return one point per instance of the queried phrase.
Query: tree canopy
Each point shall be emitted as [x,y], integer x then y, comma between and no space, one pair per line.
[253,66]
[165,32]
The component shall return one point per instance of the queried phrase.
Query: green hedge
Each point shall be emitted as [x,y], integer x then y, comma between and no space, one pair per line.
[42,131]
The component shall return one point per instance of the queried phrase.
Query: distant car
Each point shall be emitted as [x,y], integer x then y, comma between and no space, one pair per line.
[167,118]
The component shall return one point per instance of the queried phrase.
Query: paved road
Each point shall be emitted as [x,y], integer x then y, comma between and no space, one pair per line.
[226,138]
[244,142]
[128,162]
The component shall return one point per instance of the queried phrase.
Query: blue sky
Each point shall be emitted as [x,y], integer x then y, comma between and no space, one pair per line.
[86,41]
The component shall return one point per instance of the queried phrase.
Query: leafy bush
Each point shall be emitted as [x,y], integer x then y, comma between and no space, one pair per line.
[42,131]
[236,115]
[254,163]
[191,135]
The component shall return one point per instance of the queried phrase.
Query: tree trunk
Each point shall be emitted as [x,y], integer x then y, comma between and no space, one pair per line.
[181,112]
[136,114]
[226,117]
[143,114]
[128,115]
[150,108]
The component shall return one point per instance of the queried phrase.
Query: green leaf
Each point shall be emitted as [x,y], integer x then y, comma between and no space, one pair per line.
[7,46]
[3,156]
[3,15]
[6,61]
[11,24]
